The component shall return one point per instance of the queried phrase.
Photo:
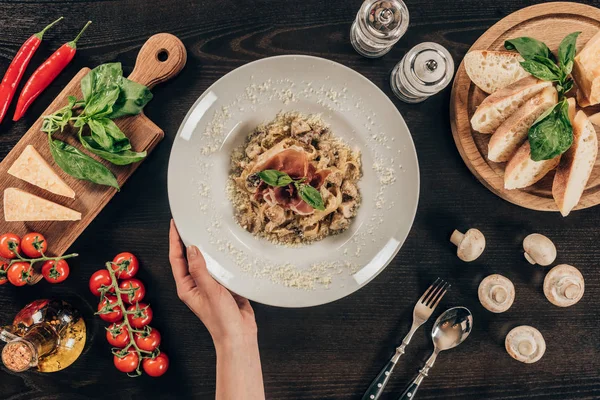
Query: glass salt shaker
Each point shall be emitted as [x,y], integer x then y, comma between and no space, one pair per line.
[425,70]
[379,24]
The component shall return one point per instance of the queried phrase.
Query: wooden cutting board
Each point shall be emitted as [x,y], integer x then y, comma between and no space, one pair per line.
[550,23]
[161,57]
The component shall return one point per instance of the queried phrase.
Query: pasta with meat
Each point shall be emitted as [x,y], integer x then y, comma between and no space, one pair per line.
[304,151]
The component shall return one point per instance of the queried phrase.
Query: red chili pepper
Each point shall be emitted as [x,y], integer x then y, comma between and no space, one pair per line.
[46,73]
[17,68]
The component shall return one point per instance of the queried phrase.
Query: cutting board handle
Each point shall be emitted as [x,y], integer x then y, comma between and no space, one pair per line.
[162,57]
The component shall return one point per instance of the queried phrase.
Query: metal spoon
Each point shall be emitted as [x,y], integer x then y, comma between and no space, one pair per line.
[449,330]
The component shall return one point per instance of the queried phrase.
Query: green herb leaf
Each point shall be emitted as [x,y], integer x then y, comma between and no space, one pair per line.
[528,47]
[79,165]
[311,196]
[100,103]
[132,99]
[552,133]
[99,135]
[124,157]
[275,178]
[120,142]
[539,70]
[566,52]
[101,78]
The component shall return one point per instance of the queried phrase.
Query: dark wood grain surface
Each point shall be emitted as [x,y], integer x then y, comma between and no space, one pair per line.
[332,351]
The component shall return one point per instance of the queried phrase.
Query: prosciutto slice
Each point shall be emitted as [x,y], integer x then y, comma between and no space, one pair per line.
[294,162]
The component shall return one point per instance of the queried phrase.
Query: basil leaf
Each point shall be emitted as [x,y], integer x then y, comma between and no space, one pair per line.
[99,134]
[539,70]
[132,99]
[275,178]
[101,103]
[101,78]
[124,157]
[119,140]
[79,165]
[528,47]
[566,52]
[311,196]
[552,133]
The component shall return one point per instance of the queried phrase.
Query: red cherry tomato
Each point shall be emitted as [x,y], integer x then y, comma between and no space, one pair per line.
[139,291]
[98,279]
[9,243]
[55,271]
[125,265]
[148,341]
[127,363]
[156,366]
[34,245]
[20,273]
[3,273]
[117,336]
[140,317]
[111,310]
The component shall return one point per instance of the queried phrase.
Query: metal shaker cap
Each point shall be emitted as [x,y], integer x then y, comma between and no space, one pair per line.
[429,67]
[384,19]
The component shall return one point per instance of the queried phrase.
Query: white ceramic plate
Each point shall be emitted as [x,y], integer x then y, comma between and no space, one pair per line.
[357,111]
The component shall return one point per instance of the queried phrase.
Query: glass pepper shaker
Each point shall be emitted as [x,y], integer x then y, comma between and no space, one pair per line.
[379,24]
[425,70]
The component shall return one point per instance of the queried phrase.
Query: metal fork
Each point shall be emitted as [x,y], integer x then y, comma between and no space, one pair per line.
[423,310]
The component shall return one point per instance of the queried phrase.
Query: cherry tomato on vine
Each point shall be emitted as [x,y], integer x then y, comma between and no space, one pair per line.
[112,311]
[9,243]
[117,336]
[98,279]
[34,245]
[147,341]
[3,273]
[125,265]
[55,271]
[141,315]
[156,366]
[139,291]
[127,363]
[20,273]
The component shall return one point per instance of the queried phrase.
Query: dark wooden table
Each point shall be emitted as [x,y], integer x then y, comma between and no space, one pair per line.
[332,351]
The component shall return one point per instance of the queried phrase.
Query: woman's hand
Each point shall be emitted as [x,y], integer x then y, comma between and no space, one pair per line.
[228,317]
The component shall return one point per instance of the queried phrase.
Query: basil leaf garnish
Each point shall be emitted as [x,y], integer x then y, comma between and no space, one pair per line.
[539,70]
[132,99]
[551,134]
[101,78]
[566,52]
[311,196]
[124,157]
[528,47]
[79,165]
[275,178]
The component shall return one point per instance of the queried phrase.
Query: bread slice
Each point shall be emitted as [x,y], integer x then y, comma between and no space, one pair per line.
[586,72]
[576,165]
[500,105]
[512,132]
[521,171]
[22,206]
[493,70]
[31,167]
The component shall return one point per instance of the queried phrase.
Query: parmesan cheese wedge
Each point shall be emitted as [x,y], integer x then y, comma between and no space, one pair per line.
[31,167]
[22,206]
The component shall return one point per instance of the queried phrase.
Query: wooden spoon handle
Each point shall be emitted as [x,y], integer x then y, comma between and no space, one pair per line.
[162,57]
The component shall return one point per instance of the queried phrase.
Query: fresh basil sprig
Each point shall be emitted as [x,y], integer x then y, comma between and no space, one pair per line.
[551,134]
[106,95]
[309,194]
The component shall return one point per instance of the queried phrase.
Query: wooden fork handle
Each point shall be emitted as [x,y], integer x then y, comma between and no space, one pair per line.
[162,57]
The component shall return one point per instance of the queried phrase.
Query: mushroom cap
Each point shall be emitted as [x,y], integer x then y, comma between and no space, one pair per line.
[539,249]
[525,343]
[564,285]
[471,246]
[496,293]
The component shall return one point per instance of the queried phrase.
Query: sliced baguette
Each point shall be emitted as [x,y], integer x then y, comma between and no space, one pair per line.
[521,171]
[512,132]
[493,70]
[576,165]
[497,107]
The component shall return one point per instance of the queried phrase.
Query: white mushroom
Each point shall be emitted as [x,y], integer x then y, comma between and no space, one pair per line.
[539,249]
[564,285]
[496,293]
[470,244]
[525,343]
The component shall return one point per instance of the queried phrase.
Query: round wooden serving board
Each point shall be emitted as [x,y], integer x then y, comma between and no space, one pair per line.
[550,23]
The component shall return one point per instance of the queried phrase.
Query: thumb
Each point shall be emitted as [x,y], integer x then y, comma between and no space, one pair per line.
[197,268]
